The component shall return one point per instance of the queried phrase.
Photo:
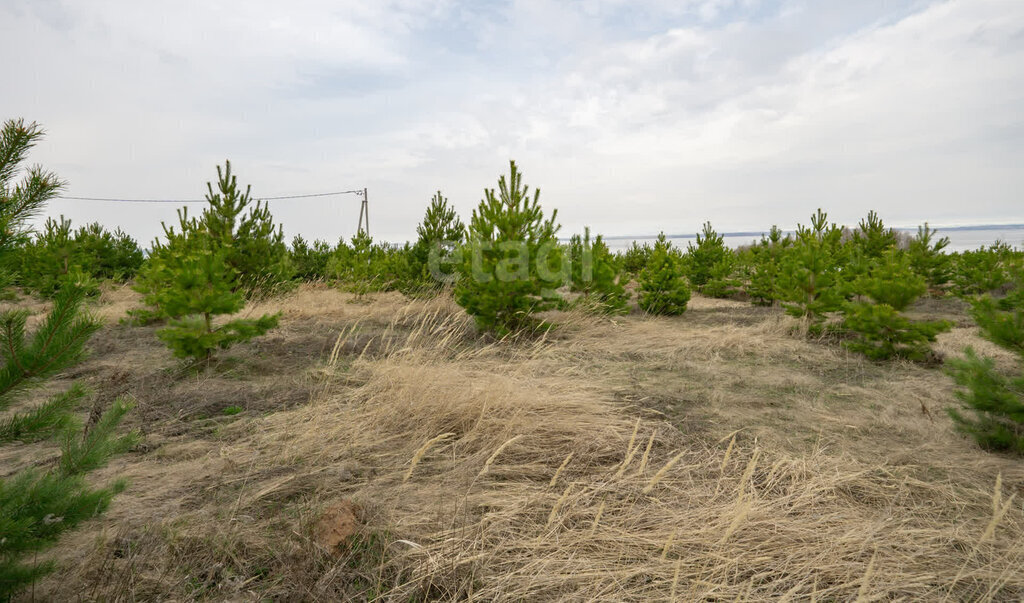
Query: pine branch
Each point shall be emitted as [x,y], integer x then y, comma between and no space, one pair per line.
[49,418]
[92,450]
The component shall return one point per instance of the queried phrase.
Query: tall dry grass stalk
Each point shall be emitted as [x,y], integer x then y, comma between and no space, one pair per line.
[422,451]
[561,468]
[493,456]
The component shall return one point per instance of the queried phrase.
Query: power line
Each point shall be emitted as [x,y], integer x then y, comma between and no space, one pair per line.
[359,192]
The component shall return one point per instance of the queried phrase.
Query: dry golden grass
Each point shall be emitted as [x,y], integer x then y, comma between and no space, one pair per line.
[709,456]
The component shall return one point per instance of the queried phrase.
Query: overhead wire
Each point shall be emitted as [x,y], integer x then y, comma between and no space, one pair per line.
[277,198]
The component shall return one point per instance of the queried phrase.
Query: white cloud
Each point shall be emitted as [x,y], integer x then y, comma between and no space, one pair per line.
[631,116]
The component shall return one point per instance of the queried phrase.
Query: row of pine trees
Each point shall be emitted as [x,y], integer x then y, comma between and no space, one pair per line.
[506,267]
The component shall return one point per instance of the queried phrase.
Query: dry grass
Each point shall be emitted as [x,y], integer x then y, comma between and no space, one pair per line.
[710,456]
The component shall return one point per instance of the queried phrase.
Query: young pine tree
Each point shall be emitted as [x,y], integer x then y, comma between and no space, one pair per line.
[927,258]
[809,280]
[872,238]
[253,246]
[992,403]
[983,270]
[198,287]
[868,243]
[765,267]
[662,288]
[37,505]
[634,258]
[706,259]
[358,267]
[511,263]
[726,277]
[84,256]
[440,234]
[595,275]
[882,331]
[309,261]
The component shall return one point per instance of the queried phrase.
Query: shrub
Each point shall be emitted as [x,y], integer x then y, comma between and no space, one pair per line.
[511,263]
[809,281]
[662,289]
[882,331]
[992,409]
[595,275]
[36,505]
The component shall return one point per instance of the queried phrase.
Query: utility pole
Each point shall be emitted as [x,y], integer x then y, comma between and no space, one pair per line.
[364,214]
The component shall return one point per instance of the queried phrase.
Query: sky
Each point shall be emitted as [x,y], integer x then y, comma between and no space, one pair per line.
[630,116]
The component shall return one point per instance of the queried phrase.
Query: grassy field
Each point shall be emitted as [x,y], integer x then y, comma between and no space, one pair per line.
[710,456]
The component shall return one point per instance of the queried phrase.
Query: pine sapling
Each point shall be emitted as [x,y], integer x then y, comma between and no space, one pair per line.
[595,275]
[37,506]
[511,263]
[928,258]
[992,403]
[765,267]
[662,288]
[701,260]
[810,277]
[881,330]
[202,287]
[439,236]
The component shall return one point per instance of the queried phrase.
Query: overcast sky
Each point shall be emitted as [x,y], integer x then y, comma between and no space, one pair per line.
[632,116]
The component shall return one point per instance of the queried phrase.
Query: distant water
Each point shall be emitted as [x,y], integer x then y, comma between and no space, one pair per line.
[961,238]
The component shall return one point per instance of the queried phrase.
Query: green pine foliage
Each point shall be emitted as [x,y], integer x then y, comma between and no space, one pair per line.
[198,285]
[595,275]
[254,247]
[439,236]
[727,277]
[662,289]
[309,262]
[992,403]
[880,329]
[983,270]
[23,200]
[634,258]
[364,267]
[864,250]
[84,256]
[708,259]
[810,282]
[928,258]
[511,263]
[157,272]
[765,267]
[872,239]
[38,505]
[359,267]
